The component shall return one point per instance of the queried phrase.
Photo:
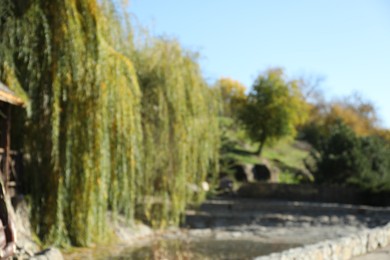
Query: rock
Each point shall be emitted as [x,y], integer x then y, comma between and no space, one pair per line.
[334,219]
[51,253]
[236,234]
[351,218]
[225,184]
[126,232]
[25,243]
[205,186]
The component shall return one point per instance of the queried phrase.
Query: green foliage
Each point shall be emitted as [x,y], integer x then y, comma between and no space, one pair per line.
[346,159]
[374,165]
[83,124]
[180,131]
[232,95]
[88,148]
[273,109]
[229,143]
[313,133]
[336,156]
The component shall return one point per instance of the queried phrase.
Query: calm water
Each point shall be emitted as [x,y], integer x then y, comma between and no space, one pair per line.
[201,249]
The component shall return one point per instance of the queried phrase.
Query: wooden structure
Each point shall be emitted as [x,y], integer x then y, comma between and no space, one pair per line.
[9,160]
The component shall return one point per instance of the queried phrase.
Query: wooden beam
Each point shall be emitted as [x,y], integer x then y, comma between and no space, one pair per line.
[8,96]
[6,142]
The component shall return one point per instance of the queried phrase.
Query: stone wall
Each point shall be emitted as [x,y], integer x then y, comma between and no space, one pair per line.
[312,193]
[342,248]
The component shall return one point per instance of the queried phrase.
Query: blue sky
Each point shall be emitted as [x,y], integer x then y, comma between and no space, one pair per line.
[345,41]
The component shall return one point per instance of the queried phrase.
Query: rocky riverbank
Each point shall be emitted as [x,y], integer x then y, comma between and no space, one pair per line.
[242,222]
[297,236]
[343,248]
[269,222]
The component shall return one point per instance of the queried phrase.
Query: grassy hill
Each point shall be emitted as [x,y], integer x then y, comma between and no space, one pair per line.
[287,156]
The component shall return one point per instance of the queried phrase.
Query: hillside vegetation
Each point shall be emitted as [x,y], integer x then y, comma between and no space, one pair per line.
[310,140]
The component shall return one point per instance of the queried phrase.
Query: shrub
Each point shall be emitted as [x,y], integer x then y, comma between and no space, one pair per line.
[343,158]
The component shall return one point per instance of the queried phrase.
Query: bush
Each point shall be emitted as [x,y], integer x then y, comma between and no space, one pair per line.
[343,158]
[335,158]
[374,165]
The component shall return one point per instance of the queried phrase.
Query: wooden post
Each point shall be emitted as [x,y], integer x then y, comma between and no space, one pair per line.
[5,143]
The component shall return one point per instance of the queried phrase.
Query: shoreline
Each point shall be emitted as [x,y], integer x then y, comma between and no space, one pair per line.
[303,235]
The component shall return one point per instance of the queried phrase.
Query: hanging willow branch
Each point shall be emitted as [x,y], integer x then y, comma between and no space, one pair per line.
[88,149]
[180,130]
[83,125]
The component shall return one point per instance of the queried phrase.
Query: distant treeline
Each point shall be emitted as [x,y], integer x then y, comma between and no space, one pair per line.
[109,125]
[349,146]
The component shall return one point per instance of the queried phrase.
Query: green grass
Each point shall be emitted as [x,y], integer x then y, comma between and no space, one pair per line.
[287,152]
[287,155]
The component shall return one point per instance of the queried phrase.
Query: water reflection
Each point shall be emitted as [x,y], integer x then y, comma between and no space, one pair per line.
[202,249]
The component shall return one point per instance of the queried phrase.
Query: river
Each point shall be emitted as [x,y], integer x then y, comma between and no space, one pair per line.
[206,248]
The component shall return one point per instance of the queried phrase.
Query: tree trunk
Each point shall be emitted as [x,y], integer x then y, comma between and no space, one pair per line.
[261,145]
[260,149]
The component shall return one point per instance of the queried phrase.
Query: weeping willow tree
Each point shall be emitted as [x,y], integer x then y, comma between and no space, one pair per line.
[83,129]
[92,142]
[180,131]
